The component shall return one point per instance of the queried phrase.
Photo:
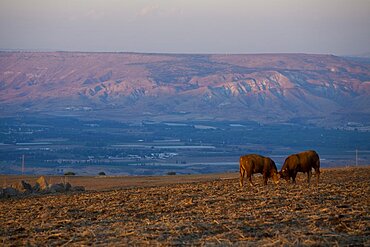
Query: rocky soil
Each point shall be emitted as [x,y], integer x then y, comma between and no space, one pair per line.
[23,188]
[214,212]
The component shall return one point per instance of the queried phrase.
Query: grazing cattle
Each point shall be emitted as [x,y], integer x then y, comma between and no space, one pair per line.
[254,163]
[301,162]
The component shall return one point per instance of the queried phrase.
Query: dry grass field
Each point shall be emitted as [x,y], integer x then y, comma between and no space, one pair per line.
[209,211]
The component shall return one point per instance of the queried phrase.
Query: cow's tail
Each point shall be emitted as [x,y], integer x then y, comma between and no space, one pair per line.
[241,171]
[241,165]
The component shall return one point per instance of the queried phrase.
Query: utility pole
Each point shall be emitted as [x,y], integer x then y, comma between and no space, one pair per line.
[22,164]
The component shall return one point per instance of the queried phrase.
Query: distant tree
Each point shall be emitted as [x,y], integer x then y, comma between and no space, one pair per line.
[171,173]
[101,174]
[69,174]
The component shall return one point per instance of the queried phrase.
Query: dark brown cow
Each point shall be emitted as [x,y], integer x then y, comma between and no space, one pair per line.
[301,162]
[254,163]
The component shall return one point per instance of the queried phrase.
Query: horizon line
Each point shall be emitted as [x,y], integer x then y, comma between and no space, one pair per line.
[169,53]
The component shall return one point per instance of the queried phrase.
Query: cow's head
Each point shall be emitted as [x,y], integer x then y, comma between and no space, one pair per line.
[284,174]
[275,177]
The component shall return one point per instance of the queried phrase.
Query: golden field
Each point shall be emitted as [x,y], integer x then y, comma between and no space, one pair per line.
[193,210]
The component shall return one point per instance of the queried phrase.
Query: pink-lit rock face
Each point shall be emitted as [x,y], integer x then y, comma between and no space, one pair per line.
[268,87]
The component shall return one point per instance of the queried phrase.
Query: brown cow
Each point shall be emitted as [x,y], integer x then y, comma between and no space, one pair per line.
[301,162]
[254,163]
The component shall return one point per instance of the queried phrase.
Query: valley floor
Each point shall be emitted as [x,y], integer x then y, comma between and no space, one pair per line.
[209,210]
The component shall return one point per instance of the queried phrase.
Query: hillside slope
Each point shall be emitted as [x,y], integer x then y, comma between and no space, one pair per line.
[316,89]
[217,213]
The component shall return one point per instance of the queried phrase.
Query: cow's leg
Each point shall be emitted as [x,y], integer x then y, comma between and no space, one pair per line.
[242,174]
[309,174]
[265,178]
[249,172]
[249,176]
[294,174]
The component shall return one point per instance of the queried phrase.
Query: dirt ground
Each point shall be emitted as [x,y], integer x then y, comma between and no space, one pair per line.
[206,211]
[102,183]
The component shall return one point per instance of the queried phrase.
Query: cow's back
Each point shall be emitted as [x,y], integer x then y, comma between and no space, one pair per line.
[309,159]
[302,162]
[252,162]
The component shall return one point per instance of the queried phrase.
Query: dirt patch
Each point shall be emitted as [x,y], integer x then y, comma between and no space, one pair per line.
[215,212]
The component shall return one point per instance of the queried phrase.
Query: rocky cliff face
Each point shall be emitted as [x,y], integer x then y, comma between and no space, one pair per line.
[317,89]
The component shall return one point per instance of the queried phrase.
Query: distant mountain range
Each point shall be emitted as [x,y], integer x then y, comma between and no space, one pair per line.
[322,90]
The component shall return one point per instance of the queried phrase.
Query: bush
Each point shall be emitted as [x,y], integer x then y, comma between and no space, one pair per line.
[101,174]
[69,174]
[171,173]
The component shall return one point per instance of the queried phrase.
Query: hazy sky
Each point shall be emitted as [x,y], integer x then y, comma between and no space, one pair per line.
[340,27]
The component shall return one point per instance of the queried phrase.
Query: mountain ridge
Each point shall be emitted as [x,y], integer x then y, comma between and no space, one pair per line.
[261,87]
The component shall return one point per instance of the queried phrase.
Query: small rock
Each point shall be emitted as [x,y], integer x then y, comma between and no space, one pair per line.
[86,233]
[41,184]
[10,191]
[24,187]
[36,188]
[54,188]
[78,188]
[67,186]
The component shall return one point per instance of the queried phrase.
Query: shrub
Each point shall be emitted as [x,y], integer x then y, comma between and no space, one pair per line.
[171,173]
[69,174]
[101,174]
